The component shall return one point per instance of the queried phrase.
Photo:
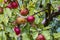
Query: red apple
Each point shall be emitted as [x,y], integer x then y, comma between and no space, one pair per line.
[1,10]
[20,20]
[9,6]
[17,30]
[14,4]
[24,12]
[40,37]
[30,19]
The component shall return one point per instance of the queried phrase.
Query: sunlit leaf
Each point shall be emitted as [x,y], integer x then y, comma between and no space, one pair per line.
[7,12]
[25,36]
[46,34]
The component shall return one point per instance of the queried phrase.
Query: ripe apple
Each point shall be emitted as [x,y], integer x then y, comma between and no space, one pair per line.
[1,10]
[17,30]
[9,6]
[14,4]
[20,20]
[24,12]
[40,37]
[30,19]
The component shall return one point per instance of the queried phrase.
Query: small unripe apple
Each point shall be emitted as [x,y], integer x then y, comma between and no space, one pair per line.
[24,12]
[30,19]
[17,30]
[40,37]
[14,4]
[20,20]
[1,10]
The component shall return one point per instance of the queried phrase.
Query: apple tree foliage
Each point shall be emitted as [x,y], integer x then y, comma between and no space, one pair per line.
[51,32]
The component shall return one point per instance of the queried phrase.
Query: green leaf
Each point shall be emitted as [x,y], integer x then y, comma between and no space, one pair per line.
[5,20]
[58,17]
[7,12]
[31,5]
[37,19]
[56,35]
[46,34]
[48,27]
[34,1]
[35,34]
[25,36]
[1,18]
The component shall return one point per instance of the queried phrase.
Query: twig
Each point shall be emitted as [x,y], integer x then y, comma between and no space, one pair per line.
[39,12]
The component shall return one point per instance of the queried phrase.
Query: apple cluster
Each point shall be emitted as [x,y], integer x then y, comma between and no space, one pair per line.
[30,18]
[20,20]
